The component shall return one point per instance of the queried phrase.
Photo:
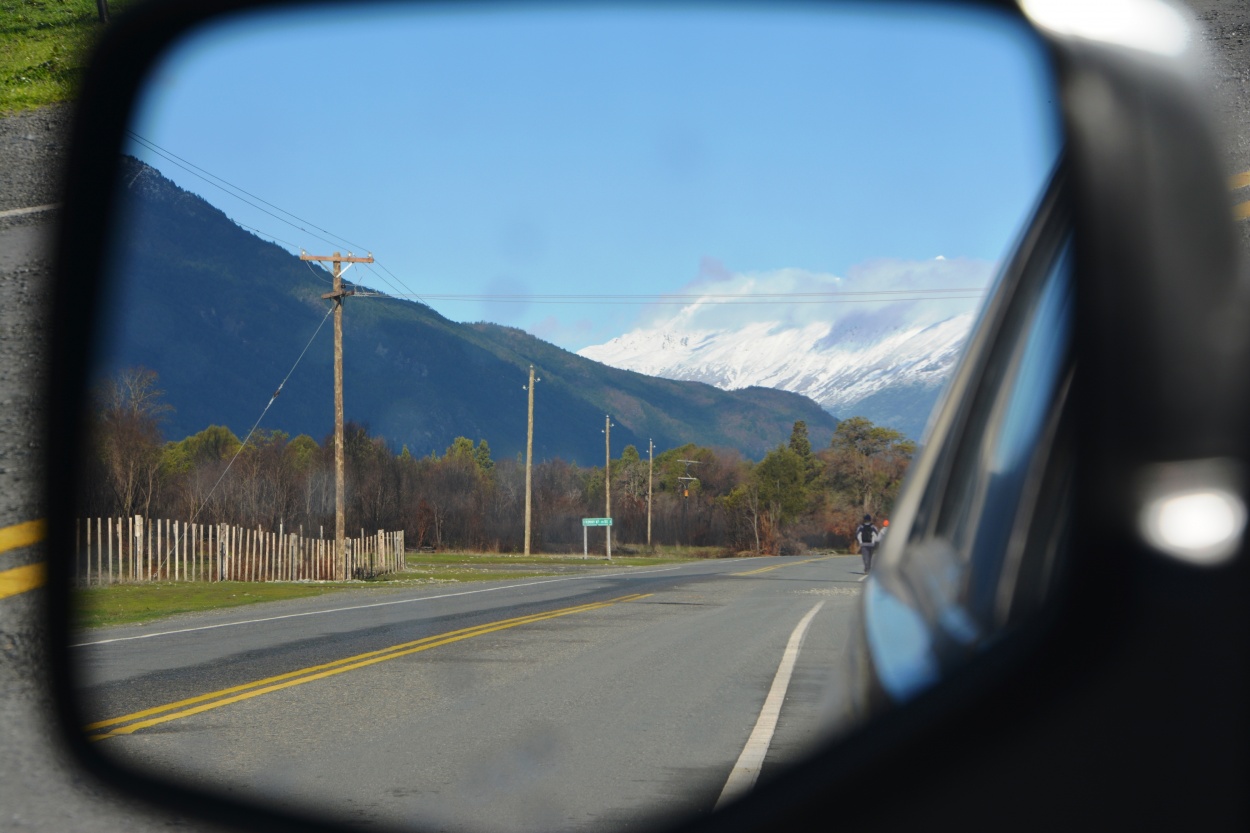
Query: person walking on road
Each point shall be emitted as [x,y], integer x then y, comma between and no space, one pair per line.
[866,535]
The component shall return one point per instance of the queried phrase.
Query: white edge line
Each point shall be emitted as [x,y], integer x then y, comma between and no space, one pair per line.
[745,772]
[366,606]
[34,209]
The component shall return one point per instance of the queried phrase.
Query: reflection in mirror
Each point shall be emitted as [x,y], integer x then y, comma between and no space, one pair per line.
[627,302]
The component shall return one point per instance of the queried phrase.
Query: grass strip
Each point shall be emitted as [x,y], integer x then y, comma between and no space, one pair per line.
[44,49]
[132,604]
[129,604]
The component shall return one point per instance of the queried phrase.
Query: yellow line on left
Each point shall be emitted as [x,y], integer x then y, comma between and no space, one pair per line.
[1236,182]
[21,579]
[22,535]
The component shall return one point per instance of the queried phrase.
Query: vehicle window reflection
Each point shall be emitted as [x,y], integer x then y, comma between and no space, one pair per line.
[988,558]
[1011,442]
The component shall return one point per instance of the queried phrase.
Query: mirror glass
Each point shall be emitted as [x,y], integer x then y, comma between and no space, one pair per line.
[639,311]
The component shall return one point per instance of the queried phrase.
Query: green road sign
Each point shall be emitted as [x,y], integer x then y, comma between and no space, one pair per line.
[596,521]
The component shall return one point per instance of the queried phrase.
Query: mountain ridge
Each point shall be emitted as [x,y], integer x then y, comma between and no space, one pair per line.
[221,315]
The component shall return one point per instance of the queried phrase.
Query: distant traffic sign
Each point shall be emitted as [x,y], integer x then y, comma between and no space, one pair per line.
[596,521]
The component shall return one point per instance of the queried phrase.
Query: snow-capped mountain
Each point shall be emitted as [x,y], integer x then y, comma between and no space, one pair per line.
[886,361]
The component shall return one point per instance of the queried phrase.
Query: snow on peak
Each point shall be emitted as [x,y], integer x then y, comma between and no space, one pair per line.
[836,374]
[835,354]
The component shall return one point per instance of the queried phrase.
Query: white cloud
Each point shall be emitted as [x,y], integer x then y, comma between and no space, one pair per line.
[876,297]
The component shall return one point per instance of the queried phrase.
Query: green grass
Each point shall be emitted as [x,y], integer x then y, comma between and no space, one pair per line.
[128,604]
[44,49]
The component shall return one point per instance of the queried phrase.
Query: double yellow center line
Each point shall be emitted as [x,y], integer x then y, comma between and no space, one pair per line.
[21,579]
[128,723]
[1235,183]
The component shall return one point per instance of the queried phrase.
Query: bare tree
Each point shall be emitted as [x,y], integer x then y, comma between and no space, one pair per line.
[128,438]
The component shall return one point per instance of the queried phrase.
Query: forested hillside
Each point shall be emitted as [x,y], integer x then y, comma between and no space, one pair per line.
[221,316]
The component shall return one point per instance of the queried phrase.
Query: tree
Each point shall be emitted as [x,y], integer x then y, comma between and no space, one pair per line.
[781,480]
[801,445]
[864,468]
[799,442]
[192,467]
[743,507]
[128,438]
[481,455]
[861,436]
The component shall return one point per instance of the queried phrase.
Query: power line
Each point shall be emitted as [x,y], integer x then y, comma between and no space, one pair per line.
[221,184]
[255,425]
[263,233]
[883,296]
[695,296]
[182,163]
[236,196]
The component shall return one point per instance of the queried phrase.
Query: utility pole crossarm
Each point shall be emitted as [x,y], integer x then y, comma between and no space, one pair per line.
[339,258]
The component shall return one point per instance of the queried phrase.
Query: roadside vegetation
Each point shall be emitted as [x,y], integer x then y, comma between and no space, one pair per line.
[44,49]
[464,500]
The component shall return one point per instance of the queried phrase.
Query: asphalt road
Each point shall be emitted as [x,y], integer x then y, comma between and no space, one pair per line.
[577,703]
[39,789]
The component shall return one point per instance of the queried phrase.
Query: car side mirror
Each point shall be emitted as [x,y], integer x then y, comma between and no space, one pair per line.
[829,155]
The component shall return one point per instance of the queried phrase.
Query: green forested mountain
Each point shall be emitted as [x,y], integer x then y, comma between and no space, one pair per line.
[221,316]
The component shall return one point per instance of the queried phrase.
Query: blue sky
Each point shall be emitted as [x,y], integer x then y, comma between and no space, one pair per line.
[497,152]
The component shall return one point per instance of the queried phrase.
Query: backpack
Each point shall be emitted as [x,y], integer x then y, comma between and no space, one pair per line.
[865,533]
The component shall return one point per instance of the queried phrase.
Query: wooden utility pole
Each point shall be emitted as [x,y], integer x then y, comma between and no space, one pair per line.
[607,466]
[607,478]
[650,456]
[685,493]
[337,295]
[529,455]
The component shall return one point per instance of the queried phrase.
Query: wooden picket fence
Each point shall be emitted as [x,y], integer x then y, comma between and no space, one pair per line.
[137,549]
